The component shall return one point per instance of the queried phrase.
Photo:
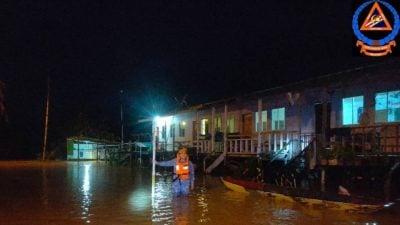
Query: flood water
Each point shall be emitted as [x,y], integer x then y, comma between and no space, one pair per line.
[96,193]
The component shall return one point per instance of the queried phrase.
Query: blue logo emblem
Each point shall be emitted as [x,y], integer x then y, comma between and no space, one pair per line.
[375,21]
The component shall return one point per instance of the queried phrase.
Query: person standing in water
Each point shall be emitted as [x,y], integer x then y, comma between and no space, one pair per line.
[183,180]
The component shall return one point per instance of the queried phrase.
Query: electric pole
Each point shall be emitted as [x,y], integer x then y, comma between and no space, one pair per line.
[122,120]
[46,122]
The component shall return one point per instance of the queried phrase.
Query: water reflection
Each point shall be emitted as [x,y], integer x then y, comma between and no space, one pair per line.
[162,203]
[202,204]
[140,200]
[283,216]
[86,194]
[181,209]
[169,209]
[95,193]
[44,197]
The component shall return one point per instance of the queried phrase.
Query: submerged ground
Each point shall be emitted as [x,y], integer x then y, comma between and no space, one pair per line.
[95,193]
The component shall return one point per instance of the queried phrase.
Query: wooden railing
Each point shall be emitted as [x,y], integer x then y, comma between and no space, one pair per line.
[283,143]
[384,139]
[241,147]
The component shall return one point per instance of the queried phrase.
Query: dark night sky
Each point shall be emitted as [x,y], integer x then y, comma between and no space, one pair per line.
[155,51]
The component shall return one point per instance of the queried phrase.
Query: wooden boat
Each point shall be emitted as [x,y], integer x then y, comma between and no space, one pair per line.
[324,200]
[312,199]
[241,185]
[328,204]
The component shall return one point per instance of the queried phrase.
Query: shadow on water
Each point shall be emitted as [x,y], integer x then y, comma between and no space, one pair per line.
[95,193]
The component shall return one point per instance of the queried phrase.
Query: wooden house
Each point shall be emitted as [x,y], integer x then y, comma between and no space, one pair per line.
[357,110]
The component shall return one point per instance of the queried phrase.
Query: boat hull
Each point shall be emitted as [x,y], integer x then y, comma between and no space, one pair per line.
[234,187]
[325,204]
[244,184]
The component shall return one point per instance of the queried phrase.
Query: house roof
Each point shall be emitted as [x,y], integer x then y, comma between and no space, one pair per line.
[361,74]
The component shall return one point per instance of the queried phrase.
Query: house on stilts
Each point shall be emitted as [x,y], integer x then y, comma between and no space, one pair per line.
[350,117]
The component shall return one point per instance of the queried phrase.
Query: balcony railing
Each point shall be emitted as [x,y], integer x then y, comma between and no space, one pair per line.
[384,139]
[277,143]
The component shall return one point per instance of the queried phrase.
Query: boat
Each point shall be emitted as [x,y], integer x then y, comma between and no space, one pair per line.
[240,185]
[323,200]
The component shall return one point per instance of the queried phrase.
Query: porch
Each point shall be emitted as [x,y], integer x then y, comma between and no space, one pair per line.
[281,144]
[286,145]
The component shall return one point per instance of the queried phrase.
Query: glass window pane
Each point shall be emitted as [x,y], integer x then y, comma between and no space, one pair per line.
[182,126]
[347,108]
[204,126]
[163,132]
[274,115]
[172,130]
[231,124]
[256,121]
[353,108]
[394,106]
[278,119]
[217,124]
[381,107]
[358,104]
[263,121]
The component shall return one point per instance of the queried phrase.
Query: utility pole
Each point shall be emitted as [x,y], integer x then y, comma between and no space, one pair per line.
[122,120]
[46,122]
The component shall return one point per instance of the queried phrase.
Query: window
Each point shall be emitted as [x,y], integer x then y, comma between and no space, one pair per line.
[278,119]
[203,126]
[353,108]
[163,132]
[230,123]
[172,130]
[263,121]
[182,126]
[217,124]
[387,107]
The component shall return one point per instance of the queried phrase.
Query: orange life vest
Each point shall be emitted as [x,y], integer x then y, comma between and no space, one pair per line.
[182,169]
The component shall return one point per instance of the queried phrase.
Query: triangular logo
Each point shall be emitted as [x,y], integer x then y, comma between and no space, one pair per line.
[376,20]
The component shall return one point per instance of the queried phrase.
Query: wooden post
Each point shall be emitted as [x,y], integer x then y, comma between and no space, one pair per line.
[323,127]
[122,119]
[197,133]
[259,127]
[225,129]
[212,129]
[300,112]
[323,179]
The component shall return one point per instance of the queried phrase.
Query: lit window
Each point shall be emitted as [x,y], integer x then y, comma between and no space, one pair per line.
[353,108]
[163,132]
[217,124]
[387,107]
[278,119]
[182,126]
[172,130]
[231,124]
[204,127]
[263,121]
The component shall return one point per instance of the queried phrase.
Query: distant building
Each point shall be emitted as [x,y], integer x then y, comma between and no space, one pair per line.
[358,109]
[85,148]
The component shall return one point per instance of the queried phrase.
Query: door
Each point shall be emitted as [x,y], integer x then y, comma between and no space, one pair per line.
[247,124]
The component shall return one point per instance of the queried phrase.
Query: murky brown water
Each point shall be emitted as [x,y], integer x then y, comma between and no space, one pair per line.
[95,193]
